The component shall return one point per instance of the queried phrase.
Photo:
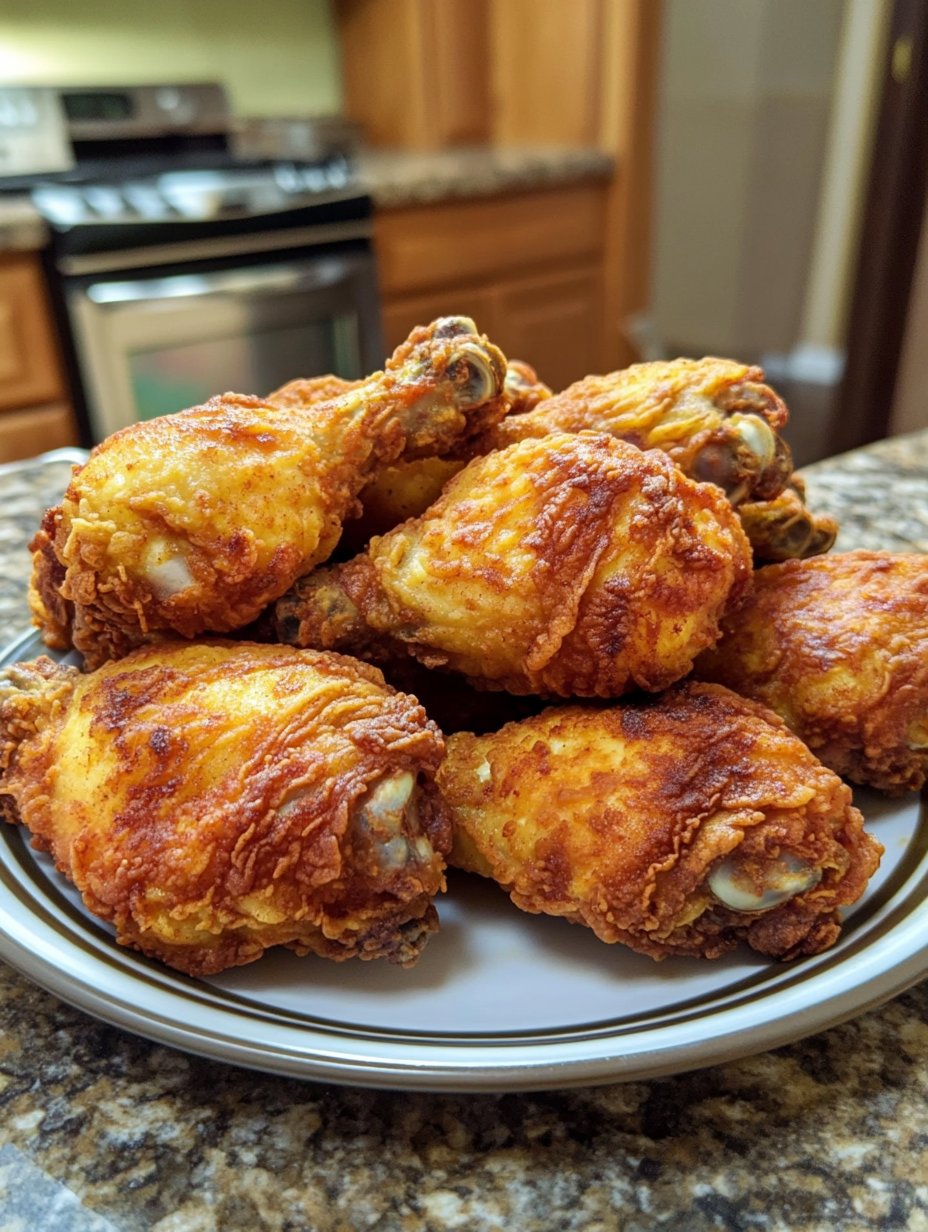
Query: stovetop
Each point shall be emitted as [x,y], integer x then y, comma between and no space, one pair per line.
[197,193]
[156,155]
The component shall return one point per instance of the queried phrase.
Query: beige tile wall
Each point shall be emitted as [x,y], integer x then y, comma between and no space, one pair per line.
[742,126]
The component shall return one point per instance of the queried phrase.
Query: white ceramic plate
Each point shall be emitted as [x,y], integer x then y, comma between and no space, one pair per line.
[499,1000]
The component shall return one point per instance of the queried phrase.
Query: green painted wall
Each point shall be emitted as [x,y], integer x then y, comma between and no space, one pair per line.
[275,57]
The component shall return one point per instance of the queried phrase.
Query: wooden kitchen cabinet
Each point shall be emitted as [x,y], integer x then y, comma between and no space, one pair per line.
[34,411]
[527,267]
[431,75]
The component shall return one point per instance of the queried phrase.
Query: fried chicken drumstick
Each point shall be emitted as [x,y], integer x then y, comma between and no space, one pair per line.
[716,418]
[213,799]
[681,825]
[194,522]
[838,647]
[568,565]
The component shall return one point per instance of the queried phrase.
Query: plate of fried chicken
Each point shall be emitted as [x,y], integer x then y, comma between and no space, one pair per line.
[344,703]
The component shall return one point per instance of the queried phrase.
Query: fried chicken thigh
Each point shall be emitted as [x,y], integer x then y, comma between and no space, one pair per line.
[194,522]
[567,565]
[212,799]
[838,647]
[680,825]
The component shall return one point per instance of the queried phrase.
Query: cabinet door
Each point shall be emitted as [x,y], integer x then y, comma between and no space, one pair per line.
[29,369]
[26,433]
[554,322]
[485,240]
[416,73]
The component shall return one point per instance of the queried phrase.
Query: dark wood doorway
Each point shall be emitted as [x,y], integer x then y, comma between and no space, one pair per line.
[892,222]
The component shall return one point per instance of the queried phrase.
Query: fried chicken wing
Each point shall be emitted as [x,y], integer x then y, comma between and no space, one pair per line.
[567,565]
[194,522]
[684,824]
[838,647]
[212,799]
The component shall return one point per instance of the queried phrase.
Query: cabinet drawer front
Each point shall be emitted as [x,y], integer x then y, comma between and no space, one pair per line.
[29,369]
[429,246]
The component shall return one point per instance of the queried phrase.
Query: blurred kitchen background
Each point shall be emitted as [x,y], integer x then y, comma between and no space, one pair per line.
[595,182]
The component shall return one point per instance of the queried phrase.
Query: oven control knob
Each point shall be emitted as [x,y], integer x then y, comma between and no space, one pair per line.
[176,104]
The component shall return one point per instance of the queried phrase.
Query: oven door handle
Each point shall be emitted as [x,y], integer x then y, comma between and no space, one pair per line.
[316,275]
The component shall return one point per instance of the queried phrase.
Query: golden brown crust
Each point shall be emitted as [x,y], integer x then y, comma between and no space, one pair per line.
[49,609]
[838,647]
[616,817]
[214,799]
[568,565]
[307,391]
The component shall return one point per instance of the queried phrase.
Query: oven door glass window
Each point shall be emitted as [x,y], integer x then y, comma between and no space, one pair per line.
[167,379]
[152,346]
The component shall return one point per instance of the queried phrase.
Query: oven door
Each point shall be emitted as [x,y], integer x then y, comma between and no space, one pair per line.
[154,345]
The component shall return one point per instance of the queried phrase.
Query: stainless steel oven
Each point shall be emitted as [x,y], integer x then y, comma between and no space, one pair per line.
[180,270]
[146,346]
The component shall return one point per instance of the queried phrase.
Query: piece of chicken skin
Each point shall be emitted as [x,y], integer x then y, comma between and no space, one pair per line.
[838,647]
[211,800]
[571,565]
[680,825]
[194,522]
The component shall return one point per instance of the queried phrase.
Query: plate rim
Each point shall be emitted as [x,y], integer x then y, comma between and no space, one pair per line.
[44,955]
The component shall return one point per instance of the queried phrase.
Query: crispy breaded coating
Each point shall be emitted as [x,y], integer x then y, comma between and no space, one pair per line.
[838,647]
[194,522]
[211,800]
[569,565]
[682,824]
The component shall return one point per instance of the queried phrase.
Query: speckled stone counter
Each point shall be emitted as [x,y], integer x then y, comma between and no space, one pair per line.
[21,227]
[104,1132]
[401,177]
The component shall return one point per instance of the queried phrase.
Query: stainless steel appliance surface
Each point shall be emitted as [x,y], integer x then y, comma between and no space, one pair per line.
[180,269]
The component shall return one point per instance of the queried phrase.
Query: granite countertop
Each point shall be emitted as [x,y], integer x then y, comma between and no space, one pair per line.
[401,177]
[21,226]
[102,1131]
